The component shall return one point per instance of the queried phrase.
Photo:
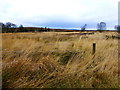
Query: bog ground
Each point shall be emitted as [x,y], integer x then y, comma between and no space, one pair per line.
[55,59]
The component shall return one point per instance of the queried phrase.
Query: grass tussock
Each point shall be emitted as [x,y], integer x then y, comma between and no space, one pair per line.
[55,60]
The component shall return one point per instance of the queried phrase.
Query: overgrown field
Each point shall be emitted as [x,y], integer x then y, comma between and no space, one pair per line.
[55,60]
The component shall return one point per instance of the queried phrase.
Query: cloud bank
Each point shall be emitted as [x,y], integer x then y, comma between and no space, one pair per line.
[60,13]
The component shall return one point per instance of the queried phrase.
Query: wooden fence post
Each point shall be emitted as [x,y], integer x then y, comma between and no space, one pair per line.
[94,48]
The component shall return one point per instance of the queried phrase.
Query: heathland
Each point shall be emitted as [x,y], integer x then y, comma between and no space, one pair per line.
[60,60]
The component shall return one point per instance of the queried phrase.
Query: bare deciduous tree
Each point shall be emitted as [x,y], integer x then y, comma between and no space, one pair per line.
[83,27]
[101,26]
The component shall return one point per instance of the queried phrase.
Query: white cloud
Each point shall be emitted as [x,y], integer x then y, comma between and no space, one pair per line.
[43,11]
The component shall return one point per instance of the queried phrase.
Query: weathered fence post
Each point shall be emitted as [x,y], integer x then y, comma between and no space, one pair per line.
[94,48]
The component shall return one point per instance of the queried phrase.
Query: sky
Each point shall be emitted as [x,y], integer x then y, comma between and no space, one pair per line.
[66,14]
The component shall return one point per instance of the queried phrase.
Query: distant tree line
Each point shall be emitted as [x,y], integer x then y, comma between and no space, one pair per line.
[101,27]
[11,27]
[117,27]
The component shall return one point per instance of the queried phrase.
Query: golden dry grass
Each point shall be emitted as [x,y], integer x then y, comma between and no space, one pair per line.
[49,59]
